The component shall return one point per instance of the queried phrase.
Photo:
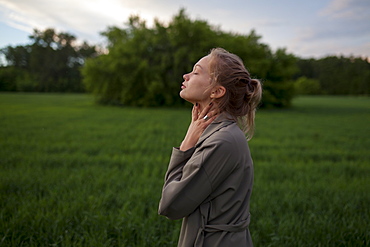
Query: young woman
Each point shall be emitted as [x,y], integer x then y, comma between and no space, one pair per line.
[210,176]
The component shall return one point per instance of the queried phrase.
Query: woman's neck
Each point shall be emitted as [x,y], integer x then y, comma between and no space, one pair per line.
[203,105]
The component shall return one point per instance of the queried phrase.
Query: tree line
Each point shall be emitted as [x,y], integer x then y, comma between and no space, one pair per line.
[51,63]
[143,66]
[333,76]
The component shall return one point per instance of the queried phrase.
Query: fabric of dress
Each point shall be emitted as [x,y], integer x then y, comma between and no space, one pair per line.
[210,186]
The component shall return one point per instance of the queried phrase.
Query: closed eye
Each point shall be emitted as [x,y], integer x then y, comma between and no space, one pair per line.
[195,69]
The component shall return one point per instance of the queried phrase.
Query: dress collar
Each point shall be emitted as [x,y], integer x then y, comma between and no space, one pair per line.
[223,120]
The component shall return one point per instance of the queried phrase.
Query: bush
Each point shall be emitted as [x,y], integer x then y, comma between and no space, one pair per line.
[306,86]
[144,66]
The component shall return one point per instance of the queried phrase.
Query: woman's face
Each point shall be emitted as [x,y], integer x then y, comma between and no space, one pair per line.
[196,85]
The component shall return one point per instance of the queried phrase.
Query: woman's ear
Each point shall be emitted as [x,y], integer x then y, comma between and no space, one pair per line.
[218,92]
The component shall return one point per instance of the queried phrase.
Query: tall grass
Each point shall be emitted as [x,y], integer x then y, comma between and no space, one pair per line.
[76,174]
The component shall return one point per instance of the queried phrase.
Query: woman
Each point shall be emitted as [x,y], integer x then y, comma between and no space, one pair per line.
[210,176]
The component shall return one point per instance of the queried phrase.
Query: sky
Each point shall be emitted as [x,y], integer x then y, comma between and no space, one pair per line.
[315,28]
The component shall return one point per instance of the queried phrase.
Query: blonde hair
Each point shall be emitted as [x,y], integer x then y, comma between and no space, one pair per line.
[243,94]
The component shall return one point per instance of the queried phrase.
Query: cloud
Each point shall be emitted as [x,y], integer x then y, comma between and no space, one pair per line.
[347,9]
[270,23]
[341,27]
[301,27]
[81,16]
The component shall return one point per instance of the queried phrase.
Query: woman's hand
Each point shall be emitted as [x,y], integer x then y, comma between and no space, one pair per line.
[198,124]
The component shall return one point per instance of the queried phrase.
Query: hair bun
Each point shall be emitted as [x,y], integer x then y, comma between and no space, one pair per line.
[243,94]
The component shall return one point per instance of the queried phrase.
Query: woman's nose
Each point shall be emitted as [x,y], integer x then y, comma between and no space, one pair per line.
[185,76]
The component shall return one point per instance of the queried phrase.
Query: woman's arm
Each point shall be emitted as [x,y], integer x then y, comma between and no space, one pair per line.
[192,176]
[184,189]
[178,198]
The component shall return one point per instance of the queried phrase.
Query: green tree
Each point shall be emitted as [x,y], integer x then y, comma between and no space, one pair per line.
[144,66]
[18,56]
[338,75]
[50,64]
[7,80]
[144,63]
[278,85]
[306,86]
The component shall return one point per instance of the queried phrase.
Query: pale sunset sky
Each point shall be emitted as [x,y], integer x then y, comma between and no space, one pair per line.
[314,28]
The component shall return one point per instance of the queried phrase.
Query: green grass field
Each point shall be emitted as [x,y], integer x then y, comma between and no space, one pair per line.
[73,173]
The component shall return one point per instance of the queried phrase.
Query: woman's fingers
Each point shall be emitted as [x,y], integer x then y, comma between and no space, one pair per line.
[195,112]
[206,111]
[208,114]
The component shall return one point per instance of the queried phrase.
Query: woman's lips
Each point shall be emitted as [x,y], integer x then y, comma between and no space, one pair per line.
[183,86]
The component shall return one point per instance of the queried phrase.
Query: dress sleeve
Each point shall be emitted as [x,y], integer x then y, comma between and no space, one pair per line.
[190,179]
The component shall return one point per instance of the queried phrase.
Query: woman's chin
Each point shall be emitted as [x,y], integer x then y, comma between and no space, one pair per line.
[183,95]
